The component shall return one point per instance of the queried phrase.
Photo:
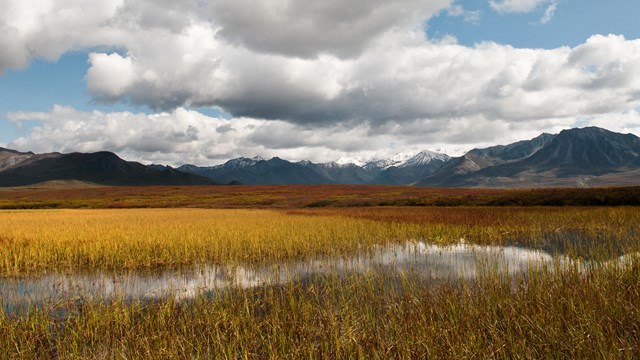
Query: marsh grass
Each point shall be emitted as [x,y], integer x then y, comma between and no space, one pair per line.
[597,233]
[297,196]
[576,315]
[70,240]
[34,241]
[571,313]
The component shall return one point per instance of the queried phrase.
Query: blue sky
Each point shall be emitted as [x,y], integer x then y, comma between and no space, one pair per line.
[573,22]
[45,83]
[313,81]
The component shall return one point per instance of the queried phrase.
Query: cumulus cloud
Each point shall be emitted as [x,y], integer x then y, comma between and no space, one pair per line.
[193,56]
[101,79]
[401,77]
[47,28]
[626,122]
[326,72]
[306,29]
[187,136]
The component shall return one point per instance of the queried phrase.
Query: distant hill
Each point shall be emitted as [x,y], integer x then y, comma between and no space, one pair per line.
[576,157]
[106,168]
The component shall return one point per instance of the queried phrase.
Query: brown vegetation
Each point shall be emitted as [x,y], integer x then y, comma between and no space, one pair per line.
[294,196]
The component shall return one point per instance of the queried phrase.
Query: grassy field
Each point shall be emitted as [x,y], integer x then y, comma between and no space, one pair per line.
[567,313]
[59,196]
[575,316]
[34,241]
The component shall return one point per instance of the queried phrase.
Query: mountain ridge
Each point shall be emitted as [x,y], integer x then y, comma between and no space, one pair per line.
[400,169]
[102,167]
[575,156]
[588,156]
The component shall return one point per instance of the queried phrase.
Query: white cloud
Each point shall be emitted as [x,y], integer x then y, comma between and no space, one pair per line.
[400,77]
[345,79]
[516,6]
[304,28]
[47,28]
[548,14]
[470,16]
[102,79]
[455,10]
[627,122]
[187,136]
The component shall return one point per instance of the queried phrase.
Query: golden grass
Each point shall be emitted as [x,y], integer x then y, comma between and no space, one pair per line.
[543,316]
[572,314]
[34,241]
[69,240]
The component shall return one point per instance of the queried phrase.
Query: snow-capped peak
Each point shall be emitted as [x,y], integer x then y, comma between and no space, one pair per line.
[347,161]
[406,159]
[423,158]
[385,163]
[241,162]
[328,165]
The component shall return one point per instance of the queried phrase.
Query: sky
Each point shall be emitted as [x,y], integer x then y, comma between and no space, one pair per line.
[204,81]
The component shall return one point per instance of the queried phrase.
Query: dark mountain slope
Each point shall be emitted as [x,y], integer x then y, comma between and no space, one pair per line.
[258,171]
[340,173]
[574,156]
[592,151]
[101,168]
[457,170]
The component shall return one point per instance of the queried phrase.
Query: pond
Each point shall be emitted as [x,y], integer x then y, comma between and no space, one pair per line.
[427,261]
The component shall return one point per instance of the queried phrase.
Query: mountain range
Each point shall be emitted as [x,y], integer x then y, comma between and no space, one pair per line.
[26,168]
[400,169]
[577,157]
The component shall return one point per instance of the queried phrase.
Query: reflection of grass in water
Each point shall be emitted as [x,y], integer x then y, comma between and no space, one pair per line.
[589,244]
[136,239]
[431,263]
[592,315]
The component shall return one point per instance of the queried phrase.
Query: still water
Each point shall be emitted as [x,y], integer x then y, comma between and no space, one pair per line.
[427,261]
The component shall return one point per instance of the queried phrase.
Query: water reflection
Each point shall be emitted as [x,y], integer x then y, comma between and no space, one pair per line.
[431,262]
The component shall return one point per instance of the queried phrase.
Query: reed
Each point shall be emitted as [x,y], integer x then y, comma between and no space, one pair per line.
[35,241]
[567,313]
[576,315]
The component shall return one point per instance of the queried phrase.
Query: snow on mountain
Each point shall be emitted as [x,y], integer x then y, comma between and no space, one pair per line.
[385,163]
[403,159]
[241,162]
[335,164]
[424,158]
[347,161]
